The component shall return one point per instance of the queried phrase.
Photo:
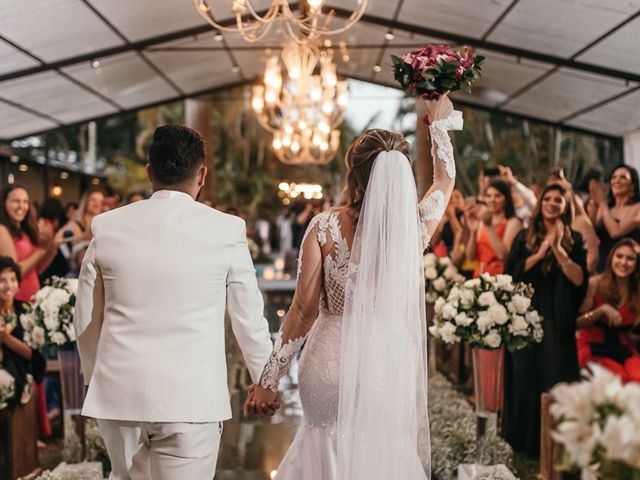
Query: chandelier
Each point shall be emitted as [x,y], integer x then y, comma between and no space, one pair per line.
[307,23]
[302,110]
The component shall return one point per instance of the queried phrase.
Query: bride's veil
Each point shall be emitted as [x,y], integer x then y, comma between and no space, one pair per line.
[383,428]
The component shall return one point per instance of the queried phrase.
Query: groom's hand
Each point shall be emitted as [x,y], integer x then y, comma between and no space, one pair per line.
[261,401]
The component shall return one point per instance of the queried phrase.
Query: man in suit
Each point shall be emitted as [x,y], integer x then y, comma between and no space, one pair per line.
[149,319]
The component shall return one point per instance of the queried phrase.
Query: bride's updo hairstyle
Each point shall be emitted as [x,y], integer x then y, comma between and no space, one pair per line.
[360,157]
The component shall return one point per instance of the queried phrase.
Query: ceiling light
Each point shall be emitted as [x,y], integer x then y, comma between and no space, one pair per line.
[377,68]
[389,35]
[235,69]
[95,64]
[218,37]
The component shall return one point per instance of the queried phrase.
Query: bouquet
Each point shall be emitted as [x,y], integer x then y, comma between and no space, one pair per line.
[435,70]
[598,424]
[488,312]
[49,320]
[7,387]
[439,274]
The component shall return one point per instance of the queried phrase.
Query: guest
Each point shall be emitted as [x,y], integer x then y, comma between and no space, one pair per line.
[91,205]
[70,211]
[16,356]
[31,247]
[611,311]
[52,213]
[493,230]
[524,199]
[443,240]
[550,256]
[619,214]
[581,220]
[135,196]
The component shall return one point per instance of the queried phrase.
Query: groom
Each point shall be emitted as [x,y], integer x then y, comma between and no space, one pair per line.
[150,319]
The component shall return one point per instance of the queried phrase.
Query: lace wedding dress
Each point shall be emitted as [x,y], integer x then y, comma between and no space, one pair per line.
[315,319]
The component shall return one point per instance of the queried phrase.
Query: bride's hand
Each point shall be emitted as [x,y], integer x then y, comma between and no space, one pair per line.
[261,401]
[438,109]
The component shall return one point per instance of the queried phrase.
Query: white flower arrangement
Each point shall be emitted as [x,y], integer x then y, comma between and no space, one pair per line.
[7,387]
[488,312]
[49,320]
[598,425]
[439,274]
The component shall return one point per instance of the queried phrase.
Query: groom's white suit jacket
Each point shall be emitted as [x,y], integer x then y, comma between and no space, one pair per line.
[150,311]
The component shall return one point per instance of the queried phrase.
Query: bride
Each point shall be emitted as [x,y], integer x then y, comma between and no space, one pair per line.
[358,310]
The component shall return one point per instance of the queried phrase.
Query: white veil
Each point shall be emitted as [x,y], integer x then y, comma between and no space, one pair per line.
[383,427]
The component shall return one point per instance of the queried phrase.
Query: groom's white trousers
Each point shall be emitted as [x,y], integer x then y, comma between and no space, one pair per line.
[161,451]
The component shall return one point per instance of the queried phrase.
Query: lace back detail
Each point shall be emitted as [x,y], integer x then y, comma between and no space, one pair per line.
[336,262]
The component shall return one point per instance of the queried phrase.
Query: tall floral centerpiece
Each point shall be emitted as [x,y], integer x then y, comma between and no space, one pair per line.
[490,313]
[48,321]
[598,420]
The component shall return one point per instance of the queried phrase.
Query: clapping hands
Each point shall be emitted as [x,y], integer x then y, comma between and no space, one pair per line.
[261,401]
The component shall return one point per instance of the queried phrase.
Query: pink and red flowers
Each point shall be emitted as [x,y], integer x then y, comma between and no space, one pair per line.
[436,69]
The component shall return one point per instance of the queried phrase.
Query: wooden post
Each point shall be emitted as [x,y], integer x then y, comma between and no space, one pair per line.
[18,436]
[550,451]
[197,112]
[424,162]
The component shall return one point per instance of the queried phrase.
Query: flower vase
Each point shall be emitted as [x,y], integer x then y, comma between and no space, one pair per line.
[488,381]
[71,381]
[431,343]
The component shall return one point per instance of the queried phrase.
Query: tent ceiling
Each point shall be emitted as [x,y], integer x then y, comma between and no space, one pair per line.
[569,62]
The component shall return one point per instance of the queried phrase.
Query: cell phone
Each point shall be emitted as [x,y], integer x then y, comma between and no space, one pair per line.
[557,172]
[67,235]
[491,171]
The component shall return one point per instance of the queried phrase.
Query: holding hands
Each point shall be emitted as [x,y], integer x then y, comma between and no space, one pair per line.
[261,401]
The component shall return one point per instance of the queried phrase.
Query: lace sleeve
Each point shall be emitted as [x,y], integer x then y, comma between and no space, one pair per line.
[434,203]
[303,311]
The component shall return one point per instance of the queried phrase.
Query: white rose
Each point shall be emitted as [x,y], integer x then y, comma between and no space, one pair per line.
[493,339]
[431,297]
[454,294]
[450,272]
[42,293]
[430,273]
[437,307]
[440,284]
[37,337]
[435,331]
[27,320]
[73,285]
[58,338]
[504,282]
[71,333]
[486,299]
[429,260]
[463,320]
[52,322]
[445,261]
[538,333]
[532,317]
[521,303]
[512,307]
[473,283]
[485,322]
[498,314]
[519,326]
[467,297]
[448,333]
[449,311]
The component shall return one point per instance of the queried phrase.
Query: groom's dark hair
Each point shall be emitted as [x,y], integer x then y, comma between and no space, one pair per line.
[175,154]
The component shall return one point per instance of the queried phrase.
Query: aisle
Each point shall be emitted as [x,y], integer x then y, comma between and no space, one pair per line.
[252,447]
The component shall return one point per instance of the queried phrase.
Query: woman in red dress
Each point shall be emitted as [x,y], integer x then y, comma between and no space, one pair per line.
[611,313]
[493,231]
[33,249]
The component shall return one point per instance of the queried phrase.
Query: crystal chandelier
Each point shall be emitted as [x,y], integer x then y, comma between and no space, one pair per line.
[307,23]
[303,110]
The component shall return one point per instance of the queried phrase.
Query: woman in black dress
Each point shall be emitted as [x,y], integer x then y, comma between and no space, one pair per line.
[552,258]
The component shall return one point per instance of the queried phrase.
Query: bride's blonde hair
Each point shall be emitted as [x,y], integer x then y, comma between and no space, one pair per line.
[360,157]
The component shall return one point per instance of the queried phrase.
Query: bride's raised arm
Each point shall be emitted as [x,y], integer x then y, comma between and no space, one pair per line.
[442,118]
[303,311]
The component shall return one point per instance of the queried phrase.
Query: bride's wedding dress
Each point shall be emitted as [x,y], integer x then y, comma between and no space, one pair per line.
[316,318]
